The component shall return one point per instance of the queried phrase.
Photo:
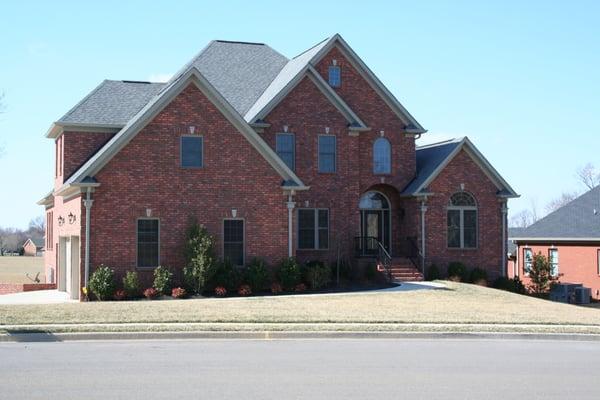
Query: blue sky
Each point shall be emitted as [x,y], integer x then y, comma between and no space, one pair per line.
[521,80]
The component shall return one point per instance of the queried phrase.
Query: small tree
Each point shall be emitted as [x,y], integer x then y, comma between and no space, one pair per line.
[199,258]
[541,274]
[102,282]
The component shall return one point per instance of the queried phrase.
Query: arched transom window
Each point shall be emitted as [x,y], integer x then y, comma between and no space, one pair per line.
[462,221]
[382,156]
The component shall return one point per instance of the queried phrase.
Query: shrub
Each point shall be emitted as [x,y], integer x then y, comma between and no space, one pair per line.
[102,283]
[244,290]
[150,293]
[458,270]
[478,276]
[433,272]
[289,273]
[178,293]
[276,288]
[541,274]
[347,272]
[120,294]
[131,284]
[199,258]
[512,285]
[220,291]
[371,272]
[226,275]
[162,280]
[256,275]
[301,287]
[317,274]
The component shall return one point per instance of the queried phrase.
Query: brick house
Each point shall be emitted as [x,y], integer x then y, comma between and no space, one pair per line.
[33,247]
[308,157]
[569,237]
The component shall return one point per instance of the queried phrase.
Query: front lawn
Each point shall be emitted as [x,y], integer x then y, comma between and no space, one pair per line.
[460,303]
[14,269]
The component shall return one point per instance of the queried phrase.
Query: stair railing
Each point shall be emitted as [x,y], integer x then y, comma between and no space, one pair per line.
[414,255]
[369,246]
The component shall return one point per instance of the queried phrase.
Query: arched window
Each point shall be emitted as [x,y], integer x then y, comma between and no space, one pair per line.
[382,156]
[462,221]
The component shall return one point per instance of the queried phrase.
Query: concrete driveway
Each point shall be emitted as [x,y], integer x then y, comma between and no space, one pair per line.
[36,297]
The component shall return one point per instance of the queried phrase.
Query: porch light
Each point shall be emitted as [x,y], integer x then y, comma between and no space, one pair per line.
[72,218]
[61,221]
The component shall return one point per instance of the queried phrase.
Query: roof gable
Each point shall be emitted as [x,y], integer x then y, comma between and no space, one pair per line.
[433,158]
[144,116]
[578,219]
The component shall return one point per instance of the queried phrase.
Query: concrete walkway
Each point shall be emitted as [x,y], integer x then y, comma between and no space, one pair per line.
[36,297]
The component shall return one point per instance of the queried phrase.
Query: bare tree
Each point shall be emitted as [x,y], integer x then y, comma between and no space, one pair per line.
[522,219]
[589,175]
[36,226]
[563,199]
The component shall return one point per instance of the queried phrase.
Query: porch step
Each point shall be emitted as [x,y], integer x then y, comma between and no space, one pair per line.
[402,270]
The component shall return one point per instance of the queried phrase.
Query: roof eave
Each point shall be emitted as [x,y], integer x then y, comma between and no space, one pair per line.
[555,239]
[58,127]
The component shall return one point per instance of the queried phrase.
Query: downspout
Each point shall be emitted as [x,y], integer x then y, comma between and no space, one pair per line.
[290,206]
[423,209]
[88,211]
[504,247]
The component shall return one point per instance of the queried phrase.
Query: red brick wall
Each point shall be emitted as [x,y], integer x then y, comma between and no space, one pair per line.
[29,249]
[577,263]
[146,174]
[7,288]
[488,254]
[79,147]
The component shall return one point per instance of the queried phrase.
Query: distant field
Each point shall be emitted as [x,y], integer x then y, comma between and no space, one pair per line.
[13,269]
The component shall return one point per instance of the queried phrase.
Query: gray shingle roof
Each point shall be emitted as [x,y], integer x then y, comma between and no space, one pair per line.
[429,158]
[112,103]
[513,232]
[240,71]
[579,219]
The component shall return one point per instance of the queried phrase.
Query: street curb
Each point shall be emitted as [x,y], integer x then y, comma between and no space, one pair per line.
[293,335]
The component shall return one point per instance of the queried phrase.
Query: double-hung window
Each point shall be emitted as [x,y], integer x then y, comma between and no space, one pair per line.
[233,241]
[462,221]
[327,153]
[147,242]
[527,260]
[192,151]
[553,260]
[286,149]
[335,76]
[313,228]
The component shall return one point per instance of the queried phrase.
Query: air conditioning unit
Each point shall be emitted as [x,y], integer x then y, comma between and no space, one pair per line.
[583,295]
[563,292]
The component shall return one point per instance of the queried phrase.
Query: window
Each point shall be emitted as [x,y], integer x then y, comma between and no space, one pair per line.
[527,261]
[147,243]
[326,153]
[313,228]
[286,149]
[598,261]
[382,157]
[462,221]
[553,260]
[191,151]
[49,232]
[233,241]
[335,76]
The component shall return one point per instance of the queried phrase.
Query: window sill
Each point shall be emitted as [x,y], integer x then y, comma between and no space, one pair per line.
[312,249]
[326,173]
[462,248]
[383,174]
[146,268]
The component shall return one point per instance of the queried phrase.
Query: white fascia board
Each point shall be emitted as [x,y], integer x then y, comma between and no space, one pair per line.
[553,239]
[144,116]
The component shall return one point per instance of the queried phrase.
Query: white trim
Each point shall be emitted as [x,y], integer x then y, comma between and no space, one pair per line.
[553,239]
[144,116]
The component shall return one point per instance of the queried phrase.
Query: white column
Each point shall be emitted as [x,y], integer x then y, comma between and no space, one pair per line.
[290,206]
[504,239]
[423,209]
[88,211]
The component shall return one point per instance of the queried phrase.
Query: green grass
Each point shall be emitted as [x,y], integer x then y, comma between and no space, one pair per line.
[13,269]
[460,303]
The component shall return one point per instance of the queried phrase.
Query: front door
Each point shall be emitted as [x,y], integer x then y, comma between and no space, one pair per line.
[374,228]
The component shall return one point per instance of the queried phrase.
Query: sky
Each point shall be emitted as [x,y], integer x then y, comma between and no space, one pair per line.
[520,79]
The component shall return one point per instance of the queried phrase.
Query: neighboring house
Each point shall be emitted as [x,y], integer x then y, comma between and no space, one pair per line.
[569,237]
[33,247]
[308,157]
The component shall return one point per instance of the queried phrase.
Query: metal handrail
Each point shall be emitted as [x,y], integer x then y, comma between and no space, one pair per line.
[371,246]
[415,256]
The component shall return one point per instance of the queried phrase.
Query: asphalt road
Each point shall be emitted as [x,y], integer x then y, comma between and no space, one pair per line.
[301,369]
